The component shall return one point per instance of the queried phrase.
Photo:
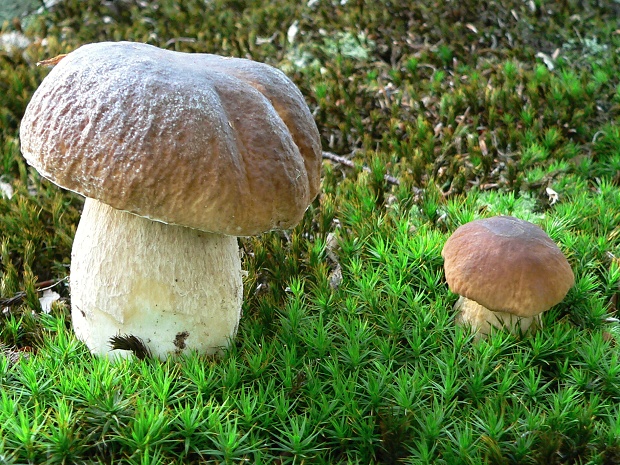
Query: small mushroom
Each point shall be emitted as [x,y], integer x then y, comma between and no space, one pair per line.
[507,272]
[176,154]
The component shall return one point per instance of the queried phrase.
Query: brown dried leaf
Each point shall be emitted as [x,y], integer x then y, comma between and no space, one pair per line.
[51,61]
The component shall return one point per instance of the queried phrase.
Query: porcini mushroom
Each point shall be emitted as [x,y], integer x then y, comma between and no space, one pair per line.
[176,154]
[507,272]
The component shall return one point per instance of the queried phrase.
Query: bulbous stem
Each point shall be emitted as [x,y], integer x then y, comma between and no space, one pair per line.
[482,320]
[175,288]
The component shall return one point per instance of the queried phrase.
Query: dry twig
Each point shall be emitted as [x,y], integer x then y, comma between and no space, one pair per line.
[346,162]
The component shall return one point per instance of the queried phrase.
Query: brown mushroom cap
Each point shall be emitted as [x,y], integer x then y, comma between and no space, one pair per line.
[508,265]
[224,145]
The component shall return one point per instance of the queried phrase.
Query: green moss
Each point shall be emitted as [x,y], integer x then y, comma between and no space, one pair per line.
[347,351]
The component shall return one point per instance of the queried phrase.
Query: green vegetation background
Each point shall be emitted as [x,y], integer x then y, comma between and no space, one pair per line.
[347,351]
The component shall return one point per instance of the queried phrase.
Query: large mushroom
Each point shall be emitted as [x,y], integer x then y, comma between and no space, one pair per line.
[176,154]
[507,272]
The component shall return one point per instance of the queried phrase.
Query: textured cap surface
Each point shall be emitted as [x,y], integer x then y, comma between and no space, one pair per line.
[507,264]
[224,145]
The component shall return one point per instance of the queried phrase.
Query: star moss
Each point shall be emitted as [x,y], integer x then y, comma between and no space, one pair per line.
[347,351]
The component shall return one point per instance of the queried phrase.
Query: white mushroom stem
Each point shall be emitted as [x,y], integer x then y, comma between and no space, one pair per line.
[482,320]
[175,288]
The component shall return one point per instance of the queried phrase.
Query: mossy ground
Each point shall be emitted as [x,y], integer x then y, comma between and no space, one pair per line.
[347,351]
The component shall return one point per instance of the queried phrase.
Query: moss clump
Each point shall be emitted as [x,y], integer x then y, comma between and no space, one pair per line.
[347,351]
